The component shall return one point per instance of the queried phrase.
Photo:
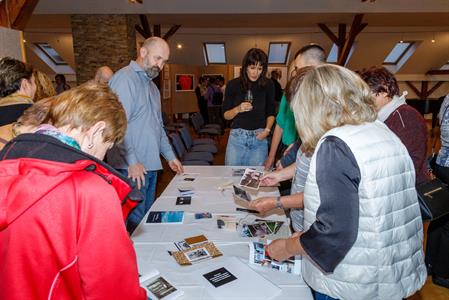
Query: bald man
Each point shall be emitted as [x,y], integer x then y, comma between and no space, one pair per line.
[138,157]
[103,75]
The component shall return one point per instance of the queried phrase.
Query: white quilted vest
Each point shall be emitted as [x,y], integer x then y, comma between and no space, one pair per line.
[387,259]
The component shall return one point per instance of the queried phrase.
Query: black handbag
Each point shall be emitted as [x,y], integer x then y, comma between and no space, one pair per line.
[433,197]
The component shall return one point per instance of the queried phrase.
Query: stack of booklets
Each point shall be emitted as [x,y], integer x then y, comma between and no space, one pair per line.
[261,228]
[229,278]
[258,256]
[195,249]
[157,287]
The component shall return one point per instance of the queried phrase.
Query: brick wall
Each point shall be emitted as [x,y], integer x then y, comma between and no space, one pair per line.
[100,40]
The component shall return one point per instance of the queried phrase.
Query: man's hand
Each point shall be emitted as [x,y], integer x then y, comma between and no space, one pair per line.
[263,204]
[176,166]
[270,179]
[137,173]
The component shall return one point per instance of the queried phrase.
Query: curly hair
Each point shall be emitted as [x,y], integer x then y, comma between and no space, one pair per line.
[380,80]
[12,71]
[44,86]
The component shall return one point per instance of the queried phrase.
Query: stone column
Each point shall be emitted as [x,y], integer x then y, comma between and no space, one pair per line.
[100,40]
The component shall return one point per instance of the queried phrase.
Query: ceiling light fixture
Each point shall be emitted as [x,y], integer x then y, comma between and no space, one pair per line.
[135,1]
[179,46]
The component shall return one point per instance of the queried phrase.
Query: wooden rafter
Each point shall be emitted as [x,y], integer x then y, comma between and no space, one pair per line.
[145,29]
[15,14]
[438,72]
[157,30]
[424,93]
[171,32]
[344,44]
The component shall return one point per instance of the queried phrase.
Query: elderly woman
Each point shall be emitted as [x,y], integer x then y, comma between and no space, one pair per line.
[62,230]
[362,235]
[249,104]
[405,121]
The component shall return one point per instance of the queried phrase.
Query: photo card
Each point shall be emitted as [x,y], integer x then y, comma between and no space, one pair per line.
[183,200]
[241,193]
[197,254]
[251,179]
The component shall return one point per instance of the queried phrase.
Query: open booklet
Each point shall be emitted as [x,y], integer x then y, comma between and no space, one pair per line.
[194,249]
[258,256]
[157,287]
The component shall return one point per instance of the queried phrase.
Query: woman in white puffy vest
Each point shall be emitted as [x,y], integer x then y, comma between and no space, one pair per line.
[363,233]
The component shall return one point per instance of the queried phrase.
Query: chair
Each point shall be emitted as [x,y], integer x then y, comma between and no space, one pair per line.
[204,125]
[189,158]
[191,147]
[196,123]
[168,125]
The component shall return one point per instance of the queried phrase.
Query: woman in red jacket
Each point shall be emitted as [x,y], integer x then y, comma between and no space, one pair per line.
[62,230]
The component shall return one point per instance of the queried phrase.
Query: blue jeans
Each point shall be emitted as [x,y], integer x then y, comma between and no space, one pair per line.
[319,296]
[244,149]
[148,191]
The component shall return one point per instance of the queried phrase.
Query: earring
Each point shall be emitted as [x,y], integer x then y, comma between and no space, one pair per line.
[90,146]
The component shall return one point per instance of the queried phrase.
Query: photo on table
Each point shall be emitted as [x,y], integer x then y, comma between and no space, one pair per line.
[241,193]
[251,179]
[197,254]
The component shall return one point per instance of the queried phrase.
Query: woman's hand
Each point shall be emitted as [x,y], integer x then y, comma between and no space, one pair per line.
[270,179]
[283,249]
[245,106]
[263,134]
[263,204]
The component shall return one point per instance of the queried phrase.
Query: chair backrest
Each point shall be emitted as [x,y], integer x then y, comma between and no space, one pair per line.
[177,144]
[196,125]
[186,137]
[200,119]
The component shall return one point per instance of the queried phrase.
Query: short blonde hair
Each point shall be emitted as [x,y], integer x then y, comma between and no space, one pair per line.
[330,96]
[44,86]
[81,107]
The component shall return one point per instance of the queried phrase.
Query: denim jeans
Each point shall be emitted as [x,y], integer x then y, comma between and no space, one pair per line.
[148,191]
[319,296]
[244,149]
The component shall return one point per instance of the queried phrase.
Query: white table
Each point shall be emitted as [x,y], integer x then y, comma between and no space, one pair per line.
[153,241]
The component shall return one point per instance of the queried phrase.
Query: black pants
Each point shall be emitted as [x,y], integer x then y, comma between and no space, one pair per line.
[437,254]
[442,173]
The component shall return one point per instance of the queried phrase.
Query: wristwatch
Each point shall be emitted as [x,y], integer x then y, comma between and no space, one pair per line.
[279,203]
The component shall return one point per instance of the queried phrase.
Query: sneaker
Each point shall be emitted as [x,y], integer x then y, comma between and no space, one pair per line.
[444,282]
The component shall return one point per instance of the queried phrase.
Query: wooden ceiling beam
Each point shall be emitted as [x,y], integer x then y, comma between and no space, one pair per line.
[329,33]
[15,14]
[438,72]
[356,28]
[414,89]
[157,30]
[434,88]
[171,32]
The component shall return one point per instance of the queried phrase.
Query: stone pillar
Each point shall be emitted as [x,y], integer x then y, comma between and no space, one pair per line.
[100,40]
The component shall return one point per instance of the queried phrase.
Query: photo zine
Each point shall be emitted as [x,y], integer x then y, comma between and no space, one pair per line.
[258,256]
[157,287]
[251,179]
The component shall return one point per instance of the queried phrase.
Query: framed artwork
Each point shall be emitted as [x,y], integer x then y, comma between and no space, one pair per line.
[184,82]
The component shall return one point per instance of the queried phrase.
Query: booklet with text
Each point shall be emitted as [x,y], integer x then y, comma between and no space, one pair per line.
[166,217]
[157,287]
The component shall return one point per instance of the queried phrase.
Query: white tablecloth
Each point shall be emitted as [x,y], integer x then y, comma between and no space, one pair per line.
[213,193]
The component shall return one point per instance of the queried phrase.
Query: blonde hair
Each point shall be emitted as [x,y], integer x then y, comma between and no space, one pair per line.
[44,86]
[330,96]
[80,107]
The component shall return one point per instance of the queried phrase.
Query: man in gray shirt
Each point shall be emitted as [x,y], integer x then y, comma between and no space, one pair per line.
[138,156]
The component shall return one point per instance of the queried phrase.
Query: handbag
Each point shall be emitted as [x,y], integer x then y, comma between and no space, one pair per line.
[433,197]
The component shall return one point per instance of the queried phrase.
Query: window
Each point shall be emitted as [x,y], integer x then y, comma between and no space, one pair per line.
[51,53]
[215,53]
[445,66]
[278,52]
[398,52]
[333,54]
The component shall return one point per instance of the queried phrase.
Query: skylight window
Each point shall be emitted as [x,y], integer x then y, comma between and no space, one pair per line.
[215,53]
[332,57]
[445,66]
[333,54]
[51,53]
[278,52]
[398,52]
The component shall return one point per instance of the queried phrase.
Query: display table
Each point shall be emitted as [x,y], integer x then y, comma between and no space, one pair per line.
[213,193]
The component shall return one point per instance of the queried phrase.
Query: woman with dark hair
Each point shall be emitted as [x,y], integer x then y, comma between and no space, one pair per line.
[249,103]
[405,121]
[200,91]
[61,83]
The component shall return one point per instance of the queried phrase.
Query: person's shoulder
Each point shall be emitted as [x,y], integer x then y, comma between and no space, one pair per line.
[233,83]
[411,112]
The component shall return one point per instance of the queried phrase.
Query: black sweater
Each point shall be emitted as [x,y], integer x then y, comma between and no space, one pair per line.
[263,104]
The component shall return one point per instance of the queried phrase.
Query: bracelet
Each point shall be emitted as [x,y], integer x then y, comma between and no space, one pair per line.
[267,129]
[279,203]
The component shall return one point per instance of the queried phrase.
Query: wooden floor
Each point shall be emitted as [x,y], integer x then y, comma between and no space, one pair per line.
[428,292]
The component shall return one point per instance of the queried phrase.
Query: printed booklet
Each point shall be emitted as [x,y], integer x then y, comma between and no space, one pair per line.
[157,287]
[194,249]
[229,278]
[258,256]
[166,217]
[261,228]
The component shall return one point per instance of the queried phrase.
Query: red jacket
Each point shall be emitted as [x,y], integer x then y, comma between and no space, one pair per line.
[62,234]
